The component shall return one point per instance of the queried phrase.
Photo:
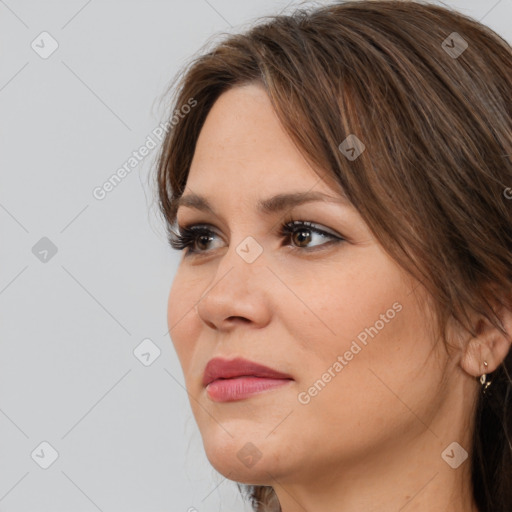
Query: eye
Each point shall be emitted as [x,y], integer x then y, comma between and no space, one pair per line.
[299,234]
[191,237]
[302,233]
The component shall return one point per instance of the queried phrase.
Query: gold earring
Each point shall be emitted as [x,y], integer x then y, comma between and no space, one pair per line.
[483,379]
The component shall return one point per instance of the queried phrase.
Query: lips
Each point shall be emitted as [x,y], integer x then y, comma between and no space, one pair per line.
[218,368]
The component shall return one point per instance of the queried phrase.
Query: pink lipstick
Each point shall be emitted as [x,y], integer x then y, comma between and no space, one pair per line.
[237,379]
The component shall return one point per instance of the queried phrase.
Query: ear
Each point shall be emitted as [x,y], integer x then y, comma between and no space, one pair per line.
[490,345]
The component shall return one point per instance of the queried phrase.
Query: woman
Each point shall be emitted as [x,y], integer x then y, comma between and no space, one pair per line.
[342,311]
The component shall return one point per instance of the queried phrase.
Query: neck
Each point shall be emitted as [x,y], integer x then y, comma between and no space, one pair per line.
[415,481]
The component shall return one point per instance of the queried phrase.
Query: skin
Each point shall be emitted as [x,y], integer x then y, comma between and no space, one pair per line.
[372,438]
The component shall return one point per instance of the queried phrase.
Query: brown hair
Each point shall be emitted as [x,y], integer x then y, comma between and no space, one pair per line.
[436,120]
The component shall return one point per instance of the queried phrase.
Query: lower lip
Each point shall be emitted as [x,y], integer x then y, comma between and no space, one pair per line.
[229,390]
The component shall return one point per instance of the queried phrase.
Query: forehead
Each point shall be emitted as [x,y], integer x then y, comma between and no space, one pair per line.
[242,143]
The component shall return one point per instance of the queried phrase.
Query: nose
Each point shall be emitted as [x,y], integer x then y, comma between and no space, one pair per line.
[237,293]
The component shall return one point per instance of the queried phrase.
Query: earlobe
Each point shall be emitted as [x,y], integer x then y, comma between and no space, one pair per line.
[474,355]
[490,346]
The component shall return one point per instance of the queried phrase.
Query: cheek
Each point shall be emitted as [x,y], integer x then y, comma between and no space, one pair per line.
[343,300]
[371,319]
[395,371]
[181,319]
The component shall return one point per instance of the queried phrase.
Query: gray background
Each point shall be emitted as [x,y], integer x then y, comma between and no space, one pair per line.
[124,432]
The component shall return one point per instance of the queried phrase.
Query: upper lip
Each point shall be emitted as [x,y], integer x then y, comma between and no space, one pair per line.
[218,368]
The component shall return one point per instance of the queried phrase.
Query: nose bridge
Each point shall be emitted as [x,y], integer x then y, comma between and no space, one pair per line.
[240,269]
[236,289]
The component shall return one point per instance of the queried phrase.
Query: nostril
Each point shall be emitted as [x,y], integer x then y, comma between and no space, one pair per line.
[240,319]
[211,325]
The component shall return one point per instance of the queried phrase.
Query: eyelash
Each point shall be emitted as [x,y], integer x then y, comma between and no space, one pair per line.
[187,236]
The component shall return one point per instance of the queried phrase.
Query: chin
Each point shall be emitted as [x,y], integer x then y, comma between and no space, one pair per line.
[240,459]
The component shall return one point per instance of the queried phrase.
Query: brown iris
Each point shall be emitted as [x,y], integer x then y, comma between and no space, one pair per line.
[302,236]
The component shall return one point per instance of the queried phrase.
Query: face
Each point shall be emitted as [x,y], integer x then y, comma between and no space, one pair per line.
[323,305]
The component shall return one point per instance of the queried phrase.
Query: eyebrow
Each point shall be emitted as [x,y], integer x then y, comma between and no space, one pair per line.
[268,206]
